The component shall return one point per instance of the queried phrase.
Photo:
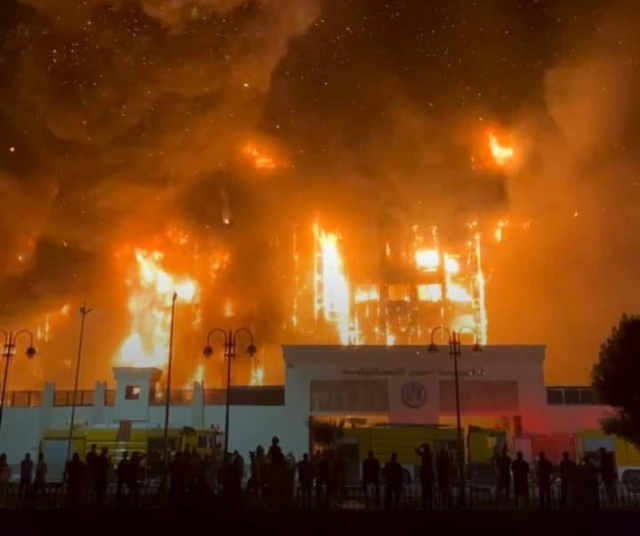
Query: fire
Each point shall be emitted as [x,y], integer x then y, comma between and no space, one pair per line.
[228,309]
[501,153]
[428,259]
[257,374]
[430,293]
[499,234]
[258,158]
[332,287]
[482,320]
[151,294]
[196,377]
[367,293]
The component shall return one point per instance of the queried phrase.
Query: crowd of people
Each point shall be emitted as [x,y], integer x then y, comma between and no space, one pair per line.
[320,480]
[579,482]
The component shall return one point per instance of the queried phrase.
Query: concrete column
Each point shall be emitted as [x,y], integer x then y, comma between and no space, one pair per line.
[197,405]
[97,416]
[46,410]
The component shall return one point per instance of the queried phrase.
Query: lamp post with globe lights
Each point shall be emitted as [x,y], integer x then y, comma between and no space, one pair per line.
[9,351]
[230,339]
[455,352]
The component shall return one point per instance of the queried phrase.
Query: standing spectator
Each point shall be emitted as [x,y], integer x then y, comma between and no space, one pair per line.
[608,475]
[26,477]
[5,478]
[305,478]
[40,483]
[177,471]
[443,470]
[426,475]
[90,460]
[123,476]
[589,483]
[75,474]
[339,476]
[332,477]
[520,469]
[371,478]
[393,482]
[275,452]
[100,475]
[135,477]
[567,476]
[503,467]
[545,472]
[322,480]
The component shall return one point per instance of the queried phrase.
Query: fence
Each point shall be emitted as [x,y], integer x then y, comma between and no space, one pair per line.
[351,497]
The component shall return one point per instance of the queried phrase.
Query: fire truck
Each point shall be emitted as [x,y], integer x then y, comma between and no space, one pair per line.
[118,439]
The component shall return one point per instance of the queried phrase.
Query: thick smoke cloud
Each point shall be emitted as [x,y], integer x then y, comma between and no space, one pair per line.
[122,119]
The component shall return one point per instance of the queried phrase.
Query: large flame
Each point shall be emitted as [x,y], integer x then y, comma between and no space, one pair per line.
[332,287]
[151,292]
[501,153]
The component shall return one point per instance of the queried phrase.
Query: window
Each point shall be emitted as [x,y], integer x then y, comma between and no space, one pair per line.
[555,397]
[572,397]
[132,392]
[588,397]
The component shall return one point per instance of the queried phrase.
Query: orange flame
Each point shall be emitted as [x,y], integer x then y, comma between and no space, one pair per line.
[151,293]
[333,292]
[501,153]
[258,158]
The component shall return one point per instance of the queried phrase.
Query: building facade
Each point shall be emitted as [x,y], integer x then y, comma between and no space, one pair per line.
[500,387]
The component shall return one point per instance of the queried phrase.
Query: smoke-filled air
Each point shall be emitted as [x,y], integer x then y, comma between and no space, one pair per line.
[322,172]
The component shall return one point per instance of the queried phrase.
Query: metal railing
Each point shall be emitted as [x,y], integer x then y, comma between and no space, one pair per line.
[350,497]
[23,399]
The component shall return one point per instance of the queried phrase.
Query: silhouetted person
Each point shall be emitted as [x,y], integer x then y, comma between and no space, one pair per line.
[26,477]
[545,472]
[177,472]
[90,460]
[76,471]
[100,475]
[275,452]
[134,477]
[203,478]
[40,482]
[339,476]
[503,467]
[323,475]
[331,479]
[5,478]
[123,476]
[371,477]
[567,478]
[608,474]
[443,472]
[305,478]
[393,482]
[589,482]
[520,469]
[427,476]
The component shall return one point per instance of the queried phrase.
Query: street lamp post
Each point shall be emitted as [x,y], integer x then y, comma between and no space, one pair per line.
[10,342]
[455,352]
[84,312]
[167,401]
[230,339]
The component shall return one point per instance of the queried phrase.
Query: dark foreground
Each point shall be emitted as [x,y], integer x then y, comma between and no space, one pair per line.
[333,523]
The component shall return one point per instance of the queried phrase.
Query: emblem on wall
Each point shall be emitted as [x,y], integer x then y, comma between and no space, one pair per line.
[414,395]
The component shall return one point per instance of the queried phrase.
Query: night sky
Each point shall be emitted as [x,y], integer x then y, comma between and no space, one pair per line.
[120,118]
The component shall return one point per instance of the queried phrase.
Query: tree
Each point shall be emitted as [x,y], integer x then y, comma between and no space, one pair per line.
[326,433]
[615,378]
